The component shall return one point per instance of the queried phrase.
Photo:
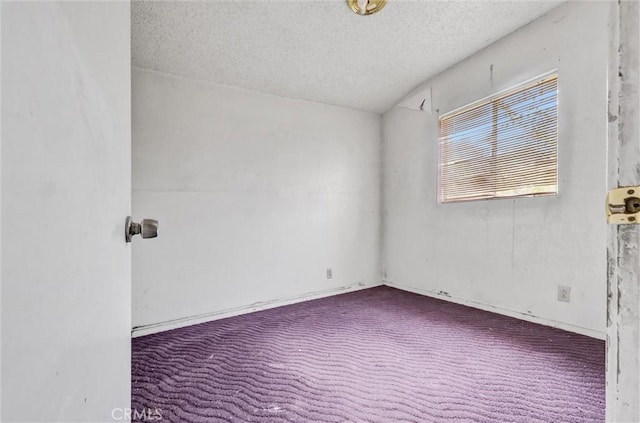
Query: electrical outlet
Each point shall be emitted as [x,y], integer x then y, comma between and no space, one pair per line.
[564,293]
[329,273]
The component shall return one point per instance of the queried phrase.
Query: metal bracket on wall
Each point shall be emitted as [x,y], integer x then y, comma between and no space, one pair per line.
[623,205]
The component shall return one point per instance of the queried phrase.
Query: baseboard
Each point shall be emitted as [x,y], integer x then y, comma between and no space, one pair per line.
[222,314]
[506,312]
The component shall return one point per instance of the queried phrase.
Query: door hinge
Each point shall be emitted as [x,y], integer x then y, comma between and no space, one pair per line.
[623,205]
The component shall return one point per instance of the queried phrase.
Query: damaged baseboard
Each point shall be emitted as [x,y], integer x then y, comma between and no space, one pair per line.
[441,295]
[262,305]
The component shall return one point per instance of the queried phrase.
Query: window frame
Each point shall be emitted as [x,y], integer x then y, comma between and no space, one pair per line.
[487,100]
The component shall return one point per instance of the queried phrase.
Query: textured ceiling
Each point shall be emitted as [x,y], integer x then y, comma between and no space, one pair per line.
[320,50]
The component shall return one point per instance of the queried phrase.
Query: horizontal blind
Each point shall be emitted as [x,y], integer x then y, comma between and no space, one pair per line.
[503,146]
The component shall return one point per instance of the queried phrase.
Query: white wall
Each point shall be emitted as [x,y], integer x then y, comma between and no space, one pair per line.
[256,196]
[66,130]
[509,256]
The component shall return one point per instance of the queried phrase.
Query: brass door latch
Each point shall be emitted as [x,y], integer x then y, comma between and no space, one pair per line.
[623,205]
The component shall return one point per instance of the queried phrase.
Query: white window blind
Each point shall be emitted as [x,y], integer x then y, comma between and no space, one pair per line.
[502,146]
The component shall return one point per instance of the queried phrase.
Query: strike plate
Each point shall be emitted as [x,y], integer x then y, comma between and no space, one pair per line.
[623,205]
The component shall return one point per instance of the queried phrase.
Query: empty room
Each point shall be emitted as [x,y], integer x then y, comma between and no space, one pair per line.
[362,211]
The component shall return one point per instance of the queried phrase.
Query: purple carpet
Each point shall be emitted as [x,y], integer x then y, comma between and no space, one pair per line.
[378,355]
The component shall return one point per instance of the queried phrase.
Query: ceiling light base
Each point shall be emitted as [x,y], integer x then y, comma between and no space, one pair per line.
[372,6]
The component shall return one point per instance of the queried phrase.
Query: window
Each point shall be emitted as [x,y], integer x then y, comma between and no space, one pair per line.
[503,146]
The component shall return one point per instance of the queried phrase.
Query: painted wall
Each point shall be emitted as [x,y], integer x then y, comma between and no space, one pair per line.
[509,256]
[256,196]
[66,131]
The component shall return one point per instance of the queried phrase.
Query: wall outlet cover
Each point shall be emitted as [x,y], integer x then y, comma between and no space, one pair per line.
[329,273]
[564,293]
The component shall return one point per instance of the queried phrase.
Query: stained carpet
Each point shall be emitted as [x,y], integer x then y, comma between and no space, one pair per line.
[377,355]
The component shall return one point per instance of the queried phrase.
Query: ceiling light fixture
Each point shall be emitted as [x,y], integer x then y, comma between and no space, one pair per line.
[366,7]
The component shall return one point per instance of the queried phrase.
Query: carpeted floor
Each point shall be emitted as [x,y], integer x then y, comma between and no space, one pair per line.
[378,355]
